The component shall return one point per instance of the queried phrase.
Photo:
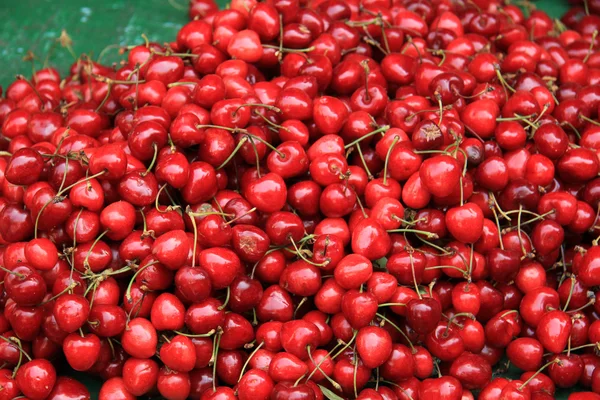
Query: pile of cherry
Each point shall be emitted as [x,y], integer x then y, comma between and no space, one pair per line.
[334,199]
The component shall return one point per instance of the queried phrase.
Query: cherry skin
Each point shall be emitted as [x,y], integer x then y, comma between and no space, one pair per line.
[465,223]
[139,339]
[36,378]
[374,345]
[440,174]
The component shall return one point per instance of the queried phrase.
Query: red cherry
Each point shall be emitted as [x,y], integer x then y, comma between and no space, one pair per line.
[36,379]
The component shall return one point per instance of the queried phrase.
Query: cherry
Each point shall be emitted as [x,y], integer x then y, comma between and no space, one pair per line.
[374,345]
[25,167]
[173,385]
[423,314]
[440,174]
[267,193]
[553,330]
[359,308]
[287,390]
[471,370]
[370,240]
[81,351]
[569,367]
[139,338]
[444,342]
[445,387]
[36,378]
[465,223]
[140,375]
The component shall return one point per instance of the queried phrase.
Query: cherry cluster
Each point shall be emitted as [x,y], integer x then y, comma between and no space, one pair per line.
[374,200]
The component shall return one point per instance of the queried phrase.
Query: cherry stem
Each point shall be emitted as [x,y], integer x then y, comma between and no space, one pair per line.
[373,133]
[17,343]
[257,157]
[364,163]
[300,254]
[503,82]
[392,305]
[156,205]
[589,303]
[87,178]
[201,335]
[346,345]
[555,361]
[105,79]
[435,110]
[155,146]
[263,141]
[70,287]
[174,84]
[365,65]
[462,271]
[86,263]
[227,296]
[519,230]
[106,97]
[591,121]
[33,88]
[318,368]
[417,231]
[435,246]
[269,122]
[128,290]
[585,346]
[213,358]
[487,89]
[8,271]
[439,100]
[300,305]
[498,207]
[250,211]
[509,312]
[387,158]
[355,360]
[385,319]
[570,293]
[400,387]
[452,319]
[412,267]
[592,42]
[268,107]
[248,360]
[288,50]
[537,218]
[195,247]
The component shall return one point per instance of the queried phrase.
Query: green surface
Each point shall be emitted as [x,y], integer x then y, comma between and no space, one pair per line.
[34,25]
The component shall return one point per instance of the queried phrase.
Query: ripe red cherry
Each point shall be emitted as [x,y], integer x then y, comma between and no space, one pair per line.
[245,45]
[81,352]
[465,223]
[267,193]
[370,240]
[139,338]
[553,331]
[36,379]
[440,175]
[25,167]
[359,308]
[374,345]
[423,314]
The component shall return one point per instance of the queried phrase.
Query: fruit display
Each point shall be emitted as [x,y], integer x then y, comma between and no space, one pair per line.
[306,200]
